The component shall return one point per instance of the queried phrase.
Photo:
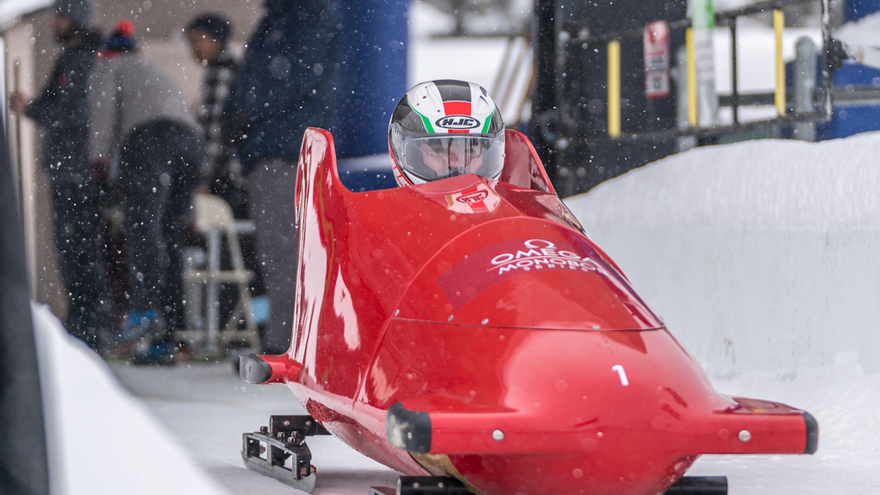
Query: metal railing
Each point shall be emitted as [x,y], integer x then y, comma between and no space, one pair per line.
[516,66]
[735,99]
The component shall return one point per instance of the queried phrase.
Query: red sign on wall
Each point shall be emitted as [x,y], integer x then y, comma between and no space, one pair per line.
[656,43]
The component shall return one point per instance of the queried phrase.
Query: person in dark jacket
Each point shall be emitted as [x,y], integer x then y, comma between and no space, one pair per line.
[208,37]
[284,85]
[76,187]
[141,126]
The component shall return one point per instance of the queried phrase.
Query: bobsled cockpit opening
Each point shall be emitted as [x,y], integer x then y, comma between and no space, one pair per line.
[522,168]
[366,173]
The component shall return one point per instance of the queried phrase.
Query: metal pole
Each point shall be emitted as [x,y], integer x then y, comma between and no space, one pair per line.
[691,78]
[804,84]
[614,88]
[525,97]
[826,64]
[19,166]
[514,74]
[544,95]
[502,71]
[778,25]
[734,84]
[213,292]
[681,100]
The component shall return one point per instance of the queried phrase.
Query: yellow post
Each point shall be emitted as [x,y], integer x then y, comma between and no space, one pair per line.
[778,25]
[691,78]
[614,88]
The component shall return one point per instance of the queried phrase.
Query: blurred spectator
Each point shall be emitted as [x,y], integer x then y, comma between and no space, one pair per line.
[285,84]
[208,36]
[76,188]
[142,131]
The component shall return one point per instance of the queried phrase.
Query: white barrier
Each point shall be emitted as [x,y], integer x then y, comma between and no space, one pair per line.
[762,255]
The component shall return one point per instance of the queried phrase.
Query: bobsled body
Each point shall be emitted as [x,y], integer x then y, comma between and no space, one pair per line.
[468,327]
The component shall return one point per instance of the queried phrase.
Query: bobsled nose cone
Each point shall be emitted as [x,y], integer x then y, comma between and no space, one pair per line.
[752,426]
[567,412]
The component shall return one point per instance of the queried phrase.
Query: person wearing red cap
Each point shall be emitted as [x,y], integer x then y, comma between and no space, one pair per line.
[144,134]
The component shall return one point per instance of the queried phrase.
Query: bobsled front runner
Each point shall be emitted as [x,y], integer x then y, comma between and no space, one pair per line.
[468,328]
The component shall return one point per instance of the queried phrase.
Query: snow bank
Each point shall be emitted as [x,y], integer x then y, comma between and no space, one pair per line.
[759,255]
[755,185]
[865,31]
[103,441]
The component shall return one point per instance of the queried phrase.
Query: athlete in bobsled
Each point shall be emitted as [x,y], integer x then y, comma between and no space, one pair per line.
[445,128]
[434,357]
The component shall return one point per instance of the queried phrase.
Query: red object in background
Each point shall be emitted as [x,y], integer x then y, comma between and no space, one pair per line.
[656,48]
[468,327]
[124,28]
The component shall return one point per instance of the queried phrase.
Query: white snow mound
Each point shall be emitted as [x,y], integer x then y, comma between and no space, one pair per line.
[754,185]
[103,441]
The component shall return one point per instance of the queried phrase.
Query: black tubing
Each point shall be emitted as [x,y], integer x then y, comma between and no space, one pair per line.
[408,430]
[812,433]
[699,485]
[254,369]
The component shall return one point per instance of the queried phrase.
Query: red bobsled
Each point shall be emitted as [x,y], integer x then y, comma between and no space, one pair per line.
[468,329]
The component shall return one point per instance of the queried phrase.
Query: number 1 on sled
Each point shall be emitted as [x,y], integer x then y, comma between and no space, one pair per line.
[621,373]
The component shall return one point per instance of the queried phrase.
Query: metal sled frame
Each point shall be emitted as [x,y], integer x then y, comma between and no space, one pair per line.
[268,451]
[423,485]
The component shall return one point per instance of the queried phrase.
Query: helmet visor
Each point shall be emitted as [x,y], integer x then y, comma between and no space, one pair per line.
[432,158]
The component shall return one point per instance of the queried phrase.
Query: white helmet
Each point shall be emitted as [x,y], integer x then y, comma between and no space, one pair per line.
[445,128]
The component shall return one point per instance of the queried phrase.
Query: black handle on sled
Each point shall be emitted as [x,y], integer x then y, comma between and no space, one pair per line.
[699,485]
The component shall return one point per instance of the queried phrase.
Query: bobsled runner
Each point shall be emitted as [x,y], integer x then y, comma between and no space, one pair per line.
[468,334]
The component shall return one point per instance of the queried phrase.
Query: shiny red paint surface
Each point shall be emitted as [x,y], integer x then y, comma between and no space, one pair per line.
[483,304]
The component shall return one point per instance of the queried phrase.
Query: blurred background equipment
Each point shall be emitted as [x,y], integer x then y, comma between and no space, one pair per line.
[208,330]
[779,72]
[485,17]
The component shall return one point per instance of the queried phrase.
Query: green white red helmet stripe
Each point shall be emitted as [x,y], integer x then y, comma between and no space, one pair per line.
[487,121]
[425,120]
[459,109]
[453,107]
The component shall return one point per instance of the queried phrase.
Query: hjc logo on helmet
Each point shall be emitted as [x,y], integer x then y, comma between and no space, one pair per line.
[455,122]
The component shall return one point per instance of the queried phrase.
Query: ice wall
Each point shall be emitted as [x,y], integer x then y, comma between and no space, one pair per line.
[758,255]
